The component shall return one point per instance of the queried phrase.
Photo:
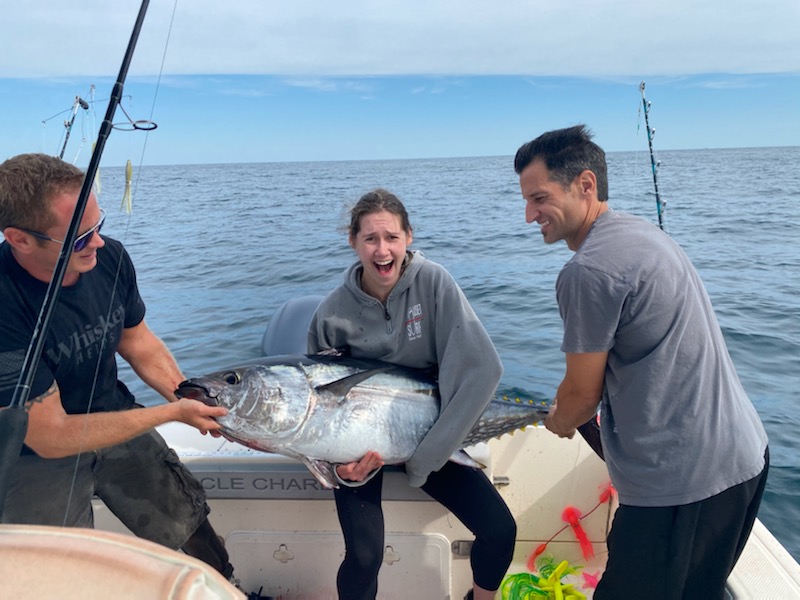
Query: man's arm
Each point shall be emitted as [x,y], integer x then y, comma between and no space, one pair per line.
[151,360]
[578,394]
[52,433]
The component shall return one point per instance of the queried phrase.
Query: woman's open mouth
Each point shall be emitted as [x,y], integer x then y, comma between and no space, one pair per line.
[384,267]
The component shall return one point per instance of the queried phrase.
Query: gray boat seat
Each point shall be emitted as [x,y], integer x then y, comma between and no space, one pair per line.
[287,331]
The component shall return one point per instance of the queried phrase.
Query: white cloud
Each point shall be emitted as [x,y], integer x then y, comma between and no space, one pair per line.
[330,84]
[380,37]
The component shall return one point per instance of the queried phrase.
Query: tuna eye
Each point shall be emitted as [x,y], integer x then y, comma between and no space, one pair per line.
[232,378]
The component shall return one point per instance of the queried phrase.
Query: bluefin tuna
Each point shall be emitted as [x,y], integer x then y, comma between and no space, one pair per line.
[327,410]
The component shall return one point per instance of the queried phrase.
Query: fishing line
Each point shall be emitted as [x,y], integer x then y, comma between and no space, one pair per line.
[91,103]
[94,128]
[78,103]
[140,125]
[133,193]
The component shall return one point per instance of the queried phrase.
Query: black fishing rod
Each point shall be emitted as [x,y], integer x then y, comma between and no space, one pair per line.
[14,418]
[653,163]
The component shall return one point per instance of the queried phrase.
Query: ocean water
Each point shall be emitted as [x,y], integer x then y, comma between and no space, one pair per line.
[218,248]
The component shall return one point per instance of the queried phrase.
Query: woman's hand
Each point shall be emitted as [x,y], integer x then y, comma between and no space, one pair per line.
[359,470]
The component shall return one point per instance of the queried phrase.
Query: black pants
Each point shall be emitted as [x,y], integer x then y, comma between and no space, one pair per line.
[680,552]
[142,481]
[465,491]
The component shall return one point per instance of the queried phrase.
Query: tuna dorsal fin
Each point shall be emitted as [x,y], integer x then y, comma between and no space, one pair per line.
[342,386]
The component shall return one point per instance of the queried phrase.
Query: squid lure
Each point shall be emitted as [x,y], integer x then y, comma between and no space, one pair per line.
[127,201]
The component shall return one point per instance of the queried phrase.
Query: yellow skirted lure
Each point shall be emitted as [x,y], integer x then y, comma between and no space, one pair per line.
[127,201]
[527,586]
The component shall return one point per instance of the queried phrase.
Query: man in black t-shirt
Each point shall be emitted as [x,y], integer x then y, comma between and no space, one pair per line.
[86,435]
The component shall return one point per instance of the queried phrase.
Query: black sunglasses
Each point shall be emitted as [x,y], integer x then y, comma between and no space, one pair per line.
[80,242]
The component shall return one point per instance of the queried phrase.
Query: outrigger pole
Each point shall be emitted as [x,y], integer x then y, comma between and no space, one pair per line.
[79,103]
[14,418]
[653,163]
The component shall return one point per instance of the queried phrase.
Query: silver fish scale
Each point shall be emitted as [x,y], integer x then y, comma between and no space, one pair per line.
[386,414]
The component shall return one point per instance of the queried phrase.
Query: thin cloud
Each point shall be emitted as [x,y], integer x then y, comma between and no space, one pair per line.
[330,85]
[244,92]
[580,38]
[739,83]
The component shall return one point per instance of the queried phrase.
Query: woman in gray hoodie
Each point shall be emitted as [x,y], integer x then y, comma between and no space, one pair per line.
[396,306]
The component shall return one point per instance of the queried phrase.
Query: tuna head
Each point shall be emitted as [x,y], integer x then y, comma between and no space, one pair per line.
[266,403]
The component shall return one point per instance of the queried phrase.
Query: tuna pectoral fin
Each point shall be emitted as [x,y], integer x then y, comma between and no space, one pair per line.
[325,473]
[341,387]
[322,472]
[462,458]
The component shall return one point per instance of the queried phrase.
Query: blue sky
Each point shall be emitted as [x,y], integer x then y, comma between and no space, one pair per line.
[263,80]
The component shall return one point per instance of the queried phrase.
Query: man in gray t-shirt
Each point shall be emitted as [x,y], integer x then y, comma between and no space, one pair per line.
[683,443]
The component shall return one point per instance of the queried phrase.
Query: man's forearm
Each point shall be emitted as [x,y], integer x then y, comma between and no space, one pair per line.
[72,434]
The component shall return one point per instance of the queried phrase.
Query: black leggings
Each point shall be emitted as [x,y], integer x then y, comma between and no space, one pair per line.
[464,491]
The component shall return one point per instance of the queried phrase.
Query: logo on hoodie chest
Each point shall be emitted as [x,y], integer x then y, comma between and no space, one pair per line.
[414,322]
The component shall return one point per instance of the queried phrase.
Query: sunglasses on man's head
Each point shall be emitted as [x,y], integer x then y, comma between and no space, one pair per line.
[80,242]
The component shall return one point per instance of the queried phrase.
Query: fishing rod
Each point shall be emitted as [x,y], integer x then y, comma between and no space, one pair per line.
[14,418]
[653,163]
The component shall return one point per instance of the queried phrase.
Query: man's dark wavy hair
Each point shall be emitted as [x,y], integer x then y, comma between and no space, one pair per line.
[566,153]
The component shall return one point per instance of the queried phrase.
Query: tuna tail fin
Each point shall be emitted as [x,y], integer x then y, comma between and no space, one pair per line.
[462,458]
[341,387]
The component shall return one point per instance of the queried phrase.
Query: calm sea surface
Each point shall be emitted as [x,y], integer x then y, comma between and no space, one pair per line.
[219,247]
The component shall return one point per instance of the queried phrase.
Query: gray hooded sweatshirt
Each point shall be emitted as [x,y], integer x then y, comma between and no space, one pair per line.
[426,323]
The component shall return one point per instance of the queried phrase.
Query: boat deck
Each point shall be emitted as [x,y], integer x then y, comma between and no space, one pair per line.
[283,536]
[281,529]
